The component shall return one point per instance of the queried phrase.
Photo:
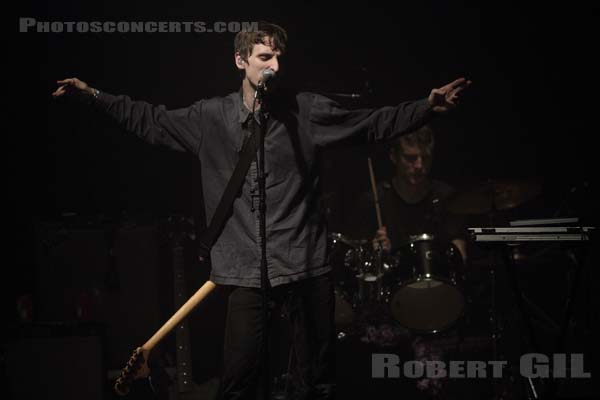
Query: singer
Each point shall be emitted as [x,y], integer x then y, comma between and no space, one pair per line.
[297,125]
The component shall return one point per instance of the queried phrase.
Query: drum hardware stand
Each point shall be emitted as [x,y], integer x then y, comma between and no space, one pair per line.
[493,314]
[500,391]
[379,272]
[561,343]
[499,388]
[379,260]
[365,278]
[579,267]
[508,261]
[550,323]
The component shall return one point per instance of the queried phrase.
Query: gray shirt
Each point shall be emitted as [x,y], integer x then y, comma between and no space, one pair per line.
[299,126]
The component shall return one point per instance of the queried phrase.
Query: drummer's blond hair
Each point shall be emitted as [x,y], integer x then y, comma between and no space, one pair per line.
[423,138]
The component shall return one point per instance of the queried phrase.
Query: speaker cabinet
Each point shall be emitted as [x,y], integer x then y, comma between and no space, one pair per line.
[49,365]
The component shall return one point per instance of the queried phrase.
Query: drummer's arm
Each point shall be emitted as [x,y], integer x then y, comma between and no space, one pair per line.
[381,239]
[461,245]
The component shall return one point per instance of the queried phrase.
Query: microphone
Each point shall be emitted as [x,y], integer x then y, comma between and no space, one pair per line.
[266,76]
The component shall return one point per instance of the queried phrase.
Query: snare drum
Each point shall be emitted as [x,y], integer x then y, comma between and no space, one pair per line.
[424,288]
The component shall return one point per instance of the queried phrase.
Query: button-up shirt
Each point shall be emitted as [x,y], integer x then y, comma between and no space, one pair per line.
[299,126]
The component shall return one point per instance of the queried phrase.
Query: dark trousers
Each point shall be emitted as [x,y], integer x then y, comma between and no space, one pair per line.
[310,306]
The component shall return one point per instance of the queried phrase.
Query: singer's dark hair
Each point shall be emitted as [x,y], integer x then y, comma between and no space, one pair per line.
[245,40]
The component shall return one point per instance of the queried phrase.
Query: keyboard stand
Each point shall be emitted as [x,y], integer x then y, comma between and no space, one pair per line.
[504,239]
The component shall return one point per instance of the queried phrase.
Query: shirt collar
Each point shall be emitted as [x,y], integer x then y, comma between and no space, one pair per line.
[244,113]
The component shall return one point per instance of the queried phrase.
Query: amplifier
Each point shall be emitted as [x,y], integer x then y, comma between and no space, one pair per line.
[55,361]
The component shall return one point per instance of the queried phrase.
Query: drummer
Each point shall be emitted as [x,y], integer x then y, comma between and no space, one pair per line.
[412,203]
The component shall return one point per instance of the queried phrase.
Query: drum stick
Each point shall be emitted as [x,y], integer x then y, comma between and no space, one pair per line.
[375,196]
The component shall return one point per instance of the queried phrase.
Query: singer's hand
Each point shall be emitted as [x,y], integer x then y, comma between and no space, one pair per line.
[71,85]
[381,238]
[447,97]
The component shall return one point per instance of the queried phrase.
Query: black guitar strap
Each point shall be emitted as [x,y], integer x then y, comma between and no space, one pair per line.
[210,235]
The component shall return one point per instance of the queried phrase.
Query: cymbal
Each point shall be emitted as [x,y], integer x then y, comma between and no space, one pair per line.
[493,195]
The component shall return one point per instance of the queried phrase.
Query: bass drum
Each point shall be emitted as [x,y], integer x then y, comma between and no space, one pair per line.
[424,289]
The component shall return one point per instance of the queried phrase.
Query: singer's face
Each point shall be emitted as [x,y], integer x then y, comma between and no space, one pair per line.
[263,57]
[412,163]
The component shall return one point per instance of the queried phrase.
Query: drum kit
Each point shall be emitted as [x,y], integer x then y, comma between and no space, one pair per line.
[421,286]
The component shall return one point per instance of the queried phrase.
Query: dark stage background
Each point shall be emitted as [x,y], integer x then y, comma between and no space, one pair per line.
[78,186]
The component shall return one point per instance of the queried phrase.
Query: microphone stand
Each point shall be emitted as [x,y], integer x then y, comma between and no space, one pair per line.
[262,211]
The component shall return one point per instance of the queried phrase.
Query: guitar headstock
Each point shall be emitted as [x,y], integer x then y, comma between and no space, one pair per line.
[137,367]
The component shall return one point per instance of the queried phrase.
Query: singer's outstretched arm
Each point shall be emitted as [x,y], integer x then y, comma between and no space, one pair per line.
[176,129]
